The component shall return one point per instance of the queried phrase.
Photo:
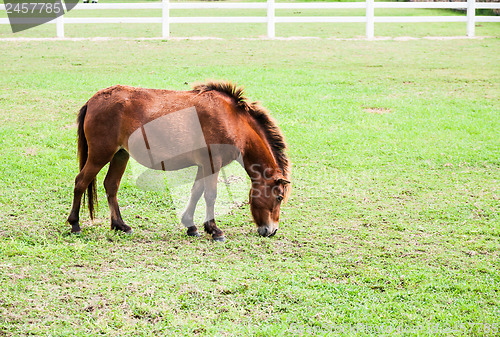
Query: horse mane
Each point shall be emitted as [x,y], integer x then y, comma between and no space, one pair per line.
[258,113]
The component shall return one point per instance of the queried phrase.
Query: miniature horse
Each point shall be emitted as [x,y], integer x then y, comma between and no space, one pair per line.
[208,127]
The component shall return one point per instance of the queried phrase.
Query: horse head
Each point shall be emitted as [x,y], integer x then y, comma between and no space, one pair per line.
[266,196]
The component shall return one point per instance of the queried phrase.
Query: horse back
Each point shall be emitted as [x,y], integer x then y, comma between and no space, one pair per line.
[155,124]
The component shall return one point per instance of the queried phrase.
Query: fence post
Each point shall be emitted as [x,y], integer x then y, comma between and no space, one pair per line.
[165,17]
[370,20]
[471,18]
[270,19]
[60,26]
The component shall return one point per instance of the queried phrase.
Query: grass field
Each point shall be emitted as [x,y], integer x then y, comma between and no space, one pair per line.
[393,222]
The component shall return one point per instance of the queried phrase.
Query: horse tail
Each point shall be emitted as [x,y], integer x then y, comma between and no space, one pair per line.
[83,153]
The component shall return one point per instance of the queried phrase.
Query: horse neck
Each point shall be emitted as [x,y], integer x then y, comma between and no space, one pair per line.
[258,158]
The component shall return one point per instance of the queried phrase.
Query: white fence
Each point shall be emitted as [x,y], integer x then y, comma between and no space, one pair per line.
[271,19]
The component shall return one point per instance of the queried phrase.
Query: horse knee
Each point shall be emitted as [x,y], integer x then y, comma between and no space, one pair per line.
[210,197]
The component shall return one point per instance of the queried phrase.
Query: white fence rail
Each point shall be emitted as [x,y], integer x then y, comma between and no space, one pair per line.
[271,19]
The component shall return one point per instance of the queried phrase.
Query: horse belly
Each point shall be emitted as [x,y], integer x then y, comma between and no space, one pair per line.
[171,142]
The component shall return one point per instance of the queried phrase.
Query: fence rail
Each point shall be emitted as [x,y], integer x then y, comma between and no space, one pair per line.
[271,19]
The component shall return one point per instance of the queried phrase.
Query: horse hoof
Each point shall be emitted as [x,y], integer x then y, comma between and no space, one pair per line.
[219,238]
[130,232]
[193,231]
[76,233]
[195,234]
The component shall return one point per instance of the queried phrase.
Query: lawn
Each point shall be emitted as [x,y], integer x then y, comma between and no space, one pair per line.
[393,222]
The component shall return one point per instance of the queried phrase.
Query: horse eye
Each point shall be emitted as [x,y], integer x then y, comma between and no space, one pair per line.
[279,198]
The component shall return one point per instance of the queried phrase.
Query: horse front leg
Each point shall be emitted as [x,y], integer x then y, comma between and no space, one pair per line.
[188,216]
[210,196]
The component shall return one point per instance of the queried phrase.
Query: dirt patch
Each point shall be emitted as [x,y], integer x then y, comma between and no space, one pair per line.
[378,111]
[31,151]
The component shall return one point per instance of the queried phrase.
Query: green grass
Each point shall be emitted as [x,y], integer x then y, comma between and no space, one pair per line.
[393,220]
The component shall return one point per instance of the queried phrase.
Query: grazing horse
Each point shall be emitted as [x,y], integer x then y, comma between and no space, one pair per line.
[208,127]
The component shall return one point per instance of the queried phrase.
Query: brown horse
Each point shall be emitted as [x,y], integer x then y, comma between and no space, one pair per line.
[208,127]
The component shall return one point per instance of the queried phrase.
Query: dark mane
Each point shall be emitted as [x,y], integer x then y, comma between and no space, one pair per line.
[259,114]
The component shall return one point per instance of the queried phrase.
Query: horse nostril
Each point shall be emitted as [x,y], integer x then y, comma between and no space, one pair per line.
[266,232]
[262,231]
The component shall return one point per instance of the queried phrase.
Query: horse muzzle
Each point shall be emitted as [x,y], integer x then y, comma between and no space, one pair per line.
[268,230]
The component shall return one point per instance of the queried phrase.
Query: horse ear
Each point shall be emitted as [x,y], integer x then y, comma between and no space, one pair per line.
[282,180]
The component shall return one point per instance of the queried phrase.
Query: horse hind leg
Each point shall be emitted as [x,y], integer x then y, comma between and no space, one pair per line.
[82,181]
[111,184]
